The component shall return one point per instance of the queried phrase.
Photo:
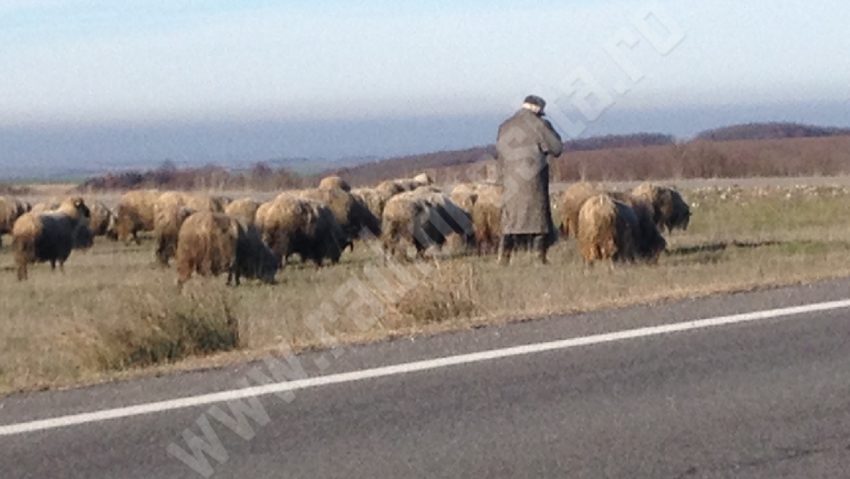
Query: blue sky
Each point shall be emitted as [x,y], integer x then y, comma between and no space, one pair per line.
[88,63]
[99,60]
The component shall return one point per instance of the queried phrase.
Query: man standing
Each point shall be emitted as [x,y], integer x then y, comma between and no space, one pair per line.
[526,140]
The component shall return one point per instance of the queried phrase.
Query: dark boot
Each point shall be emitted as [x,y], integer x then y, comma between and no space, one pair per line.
[541,248]
[505,248]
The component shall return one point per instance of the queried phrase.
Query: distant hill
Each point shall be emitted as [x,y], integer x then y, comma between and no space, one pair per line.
[619,141]
[376,171]
[770,131]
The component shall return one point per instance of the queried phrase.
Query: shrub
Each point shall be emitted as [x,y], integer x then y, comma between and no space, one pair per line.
[446,295]
[166,328]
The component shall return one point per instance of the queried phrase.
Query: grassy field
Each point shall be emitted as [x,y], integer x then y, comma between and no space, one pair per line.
[114,313]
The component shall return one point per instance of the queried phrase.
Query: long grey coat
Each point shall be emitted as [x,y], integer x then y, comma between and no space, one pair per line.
[524,145]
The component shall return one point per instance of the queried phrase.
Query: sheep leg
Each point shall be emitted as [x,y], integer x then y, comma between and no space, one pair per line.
[22,272]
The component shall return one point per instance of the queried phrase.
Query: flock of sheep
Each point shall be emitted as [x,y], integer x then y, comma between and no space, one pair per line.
[210,235]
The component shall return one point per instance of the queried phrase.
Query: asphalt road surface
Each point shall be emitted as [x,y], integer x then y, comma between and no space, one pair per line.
[768,397]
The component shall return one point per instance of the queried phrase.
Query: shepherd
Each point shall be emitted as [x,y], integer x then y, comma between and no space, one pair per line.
[525,143]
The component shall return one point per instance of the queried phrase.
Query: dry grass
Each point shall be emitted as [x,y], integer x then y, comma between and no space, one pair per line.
[115,311]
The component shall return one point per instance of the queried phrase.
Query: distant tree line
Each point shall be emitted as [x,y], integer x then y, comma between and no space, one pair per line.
[770,131]
[757,149]
[168,176]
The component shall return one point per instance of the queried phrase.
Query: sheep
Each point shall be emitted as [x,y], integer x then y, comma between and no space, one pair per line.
[46,206]
[487,218]
[454,222]
[102,221]
[254,258]
[422,218]
[352,215]
[465,195]
[671,211]
[571,202]
[612,229]
[10,210]
[170,211]
[291,224]
[213,243]
[376,198]
[333,182]
[49,237]
[135,213]
[243,210]
[604,230]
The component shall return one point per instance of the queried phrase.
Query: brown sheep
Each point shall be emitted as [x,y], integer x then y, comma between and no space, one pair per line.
[10,210]
[605,230]
[134,214]
[46,206]
[465,195]
[213,243]
[403,215]
[353,216]
[207,246]
[334,182]
[291,224]
[423,179]
[670,210]
[243,210]
[170,210]
[619,230]
[41,237]
[376,198]
[102,221]
[452,220]
[571,201]
[487,218]
[254,258]
[422,218]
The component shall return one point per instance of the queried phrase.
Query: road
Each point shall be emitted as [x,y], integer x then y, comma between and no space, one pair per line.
[762,398]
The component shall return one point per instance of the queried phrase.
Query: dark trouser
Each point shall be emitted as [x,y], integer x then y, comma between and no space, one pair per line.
[537,243]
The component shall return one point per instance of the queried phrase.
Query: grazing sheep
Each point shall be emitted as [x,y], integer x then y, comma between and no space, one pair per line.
[371,198]
[210,244]
[334,182]
[49,237]
[102,221]
[571,201]
[10,210]
[291,224]
[670,209]
[403,216]
[465,195]
[135,213]
[423,179]
[618,229]
[170,211]
[606,230]
[46,206]
[453,221]
[487,218]
[422,218]
[254,258]
[168,220]
[207,246]
[243,210]
[352,215]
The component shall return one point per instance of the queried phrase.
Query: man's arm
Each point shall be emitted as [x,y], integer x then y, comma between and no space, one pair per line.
[551,139]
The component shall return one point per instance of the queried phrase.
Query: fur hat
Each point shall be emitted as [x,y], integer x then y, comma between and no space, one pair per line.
[534,103]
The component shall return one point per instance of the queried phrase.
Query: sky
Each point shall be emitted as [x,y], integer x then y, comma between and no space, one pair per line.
[210,80]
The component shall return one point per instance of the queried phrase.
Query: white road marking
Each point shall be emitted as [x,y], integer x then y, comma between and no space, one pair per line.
[406,368]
